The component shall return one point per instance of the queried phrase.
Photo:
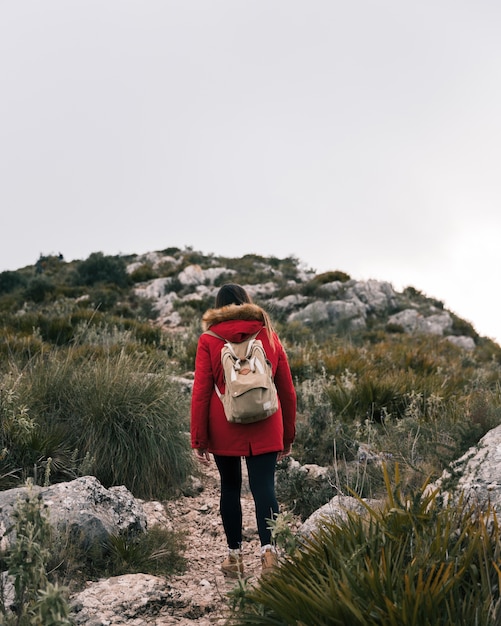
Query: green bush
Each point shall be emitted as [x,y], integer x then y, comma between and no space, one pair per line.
[121,413]
[98,268]
[40,289]
[9,281]
[16,430]
[413,563]
[158,552]
[36,599]
[17,347]
[300,493]
[40,559]
[103,298]
[330,277]
[143,273]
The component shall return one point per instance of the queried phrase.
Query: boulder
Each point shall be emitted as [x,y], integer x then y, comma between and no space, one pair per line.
[195,275]
[287,303]
[337,510]
[477,474]
[379,296]
[411,321]
[332,312]
[81,508]
[462,341]
[155,259]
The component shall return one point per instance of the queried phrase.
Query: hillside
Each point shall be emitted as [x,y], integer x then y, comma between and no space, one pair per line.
[97,365]
[171,287]
[362,354]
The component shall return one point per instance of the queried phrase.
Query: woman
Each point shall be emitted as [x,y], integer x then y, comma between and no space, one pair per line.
[235,319]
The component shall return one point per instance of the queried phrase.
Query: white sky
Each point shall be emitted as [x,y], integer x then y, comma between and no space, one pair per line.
[357,135]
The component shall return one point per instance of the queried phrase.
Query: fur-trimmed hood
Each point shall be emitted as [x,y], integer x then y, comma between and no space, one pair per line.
[248,312]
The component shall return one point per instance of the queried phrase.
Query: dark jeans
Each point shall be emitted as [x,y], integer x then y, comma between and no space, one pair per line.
[261,472]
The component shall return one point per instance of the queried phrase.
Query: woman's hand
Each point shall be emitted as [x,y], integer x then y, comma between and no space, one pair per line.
[202,456]
[285,452]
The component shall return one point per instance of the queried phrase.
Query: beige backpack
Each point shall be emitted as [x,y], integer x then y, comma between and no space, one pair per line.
[250,393]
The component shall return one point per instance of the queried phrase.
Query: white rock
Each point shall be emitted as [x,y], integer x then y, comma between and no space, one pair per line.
[466,343]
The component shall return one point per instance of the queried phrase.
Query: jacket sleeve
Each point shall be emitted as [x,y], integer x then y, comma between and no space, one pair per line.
[287,395]
[203,386]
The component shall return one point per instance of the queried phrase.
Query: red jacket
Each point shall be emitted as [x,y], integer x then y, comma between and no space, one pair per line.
[209,427]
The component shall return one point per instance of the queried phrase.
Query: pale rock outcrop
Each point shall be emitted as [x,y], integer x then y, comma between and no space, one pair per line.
[170,319]
[438,324]
[129,599]
[313,313]
[201,292]
[379,296]
[82,509]
[477,474]
[155,259]
[411,321]
[288,303]
[461,341]
[264,289]
[337,510]
[333,312]
[164,306]
[348,303]
[335,287]
[156,288]
[311,469]
[195,275]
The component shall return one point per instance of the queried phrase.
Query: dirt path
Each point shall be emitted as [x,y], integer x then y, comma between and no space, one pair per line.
[200,594]
[203,584]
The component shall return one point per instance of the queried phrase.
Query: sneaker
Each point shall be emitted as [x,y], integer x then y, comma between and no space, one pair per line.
[269,561]
[233,565]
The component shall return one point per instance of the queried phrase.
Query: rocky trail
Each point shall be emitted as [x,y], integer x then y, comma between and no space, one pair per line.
[200,594]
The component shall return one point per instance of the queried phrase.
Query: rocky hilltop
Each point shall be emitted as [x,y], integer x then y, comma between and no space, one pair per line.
[300,295]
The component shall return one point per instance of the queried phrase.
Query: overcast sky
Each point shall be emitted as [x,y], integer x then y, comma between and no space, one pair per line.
[359,135]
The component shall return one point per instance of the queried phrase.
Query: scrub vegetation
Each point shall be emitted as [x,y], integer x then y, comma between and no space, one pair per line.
[90,384]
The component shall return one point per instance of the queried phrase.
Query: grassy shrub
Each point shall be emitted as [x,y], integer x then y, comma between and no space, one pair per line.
[300,493]
[40,560]
[181,347]
[40,289]
[103,297]
[143,273]
[463,327]
[16,429]
[414,562]
[416,401]
[121,413]
[331,277]
[158,551]
[9,281]
[25,334]
[98,268]
[36,600]
[18,347]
